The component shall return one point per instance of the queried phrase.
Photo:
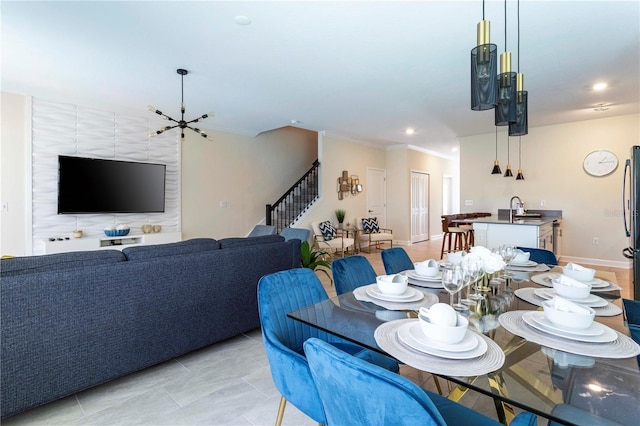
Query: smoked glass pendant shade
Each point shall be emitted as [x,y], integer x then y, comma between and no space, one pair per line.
[496,168]
[521,126]
[520,175]
[484,67]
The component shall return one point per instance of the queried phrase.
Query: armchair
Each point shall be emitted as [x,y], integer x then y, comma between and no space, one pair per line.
[330,240]
[369,233]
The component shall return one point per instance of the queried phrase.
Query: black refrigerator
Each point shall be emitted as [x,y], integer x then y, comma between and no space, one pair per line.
[631,210]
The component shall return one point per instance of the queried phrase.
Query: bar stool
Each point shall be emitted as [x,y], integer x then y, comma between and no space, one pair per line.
[453,235]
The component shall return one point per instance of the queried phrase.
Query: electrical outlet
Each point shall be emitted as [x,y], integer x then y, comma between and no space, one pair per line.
[543,203]
[596,241]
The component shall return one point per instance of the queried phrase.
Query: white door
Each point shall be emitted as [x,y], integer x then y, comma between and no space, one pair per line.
[377,195]
[419,207]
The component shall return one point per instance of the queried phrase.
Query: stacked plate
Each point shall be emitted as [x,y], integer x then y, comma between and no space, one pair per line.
[424,281]
[597,284]
[526,264]
[595,333]
[410,294]
[471,345]
[591,300]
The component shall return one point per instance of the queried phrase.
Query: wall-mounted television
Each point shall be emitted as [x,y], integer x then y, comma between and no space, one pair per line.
[92,185]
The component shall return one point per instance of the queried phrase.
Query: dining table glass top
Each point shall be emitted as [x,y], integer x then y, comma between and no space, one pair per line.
[562,386]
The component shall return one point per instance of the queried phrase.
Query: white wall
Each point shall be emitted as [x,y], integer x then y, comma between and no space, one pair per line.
[14,131]
[226,183]
[552,158]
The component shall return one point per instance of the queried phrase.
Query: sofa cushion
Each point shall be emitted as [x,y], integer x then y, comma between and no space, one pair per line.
[58,262]
[193,245]
[232,242]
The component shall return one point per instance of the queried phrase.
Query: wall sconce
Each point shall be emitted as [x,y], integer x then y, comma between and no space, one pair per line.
[348,184]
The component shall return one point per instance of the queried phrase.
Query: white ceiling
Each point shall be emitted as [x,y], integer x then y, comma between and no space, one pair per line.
[363,69]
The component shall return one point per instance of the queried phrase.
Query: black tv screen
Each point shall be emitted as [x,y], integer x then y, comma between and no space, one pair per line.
[91,185]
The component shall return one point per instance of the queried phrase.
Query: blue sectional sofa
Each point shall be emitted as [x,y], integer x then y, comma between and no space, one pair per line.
[71,321]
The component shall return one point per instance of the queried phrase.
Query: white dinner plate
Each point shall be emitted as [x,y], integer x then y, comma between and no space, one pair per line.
[540,322]
[405,337]
[413,274]
[527,263]
[468,342]
[425,284]
[410,294]
[597,283]
[591,300]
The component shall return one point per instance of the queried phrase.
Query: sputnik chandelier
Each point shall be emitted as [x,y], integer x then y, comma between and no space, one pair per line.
[182,124]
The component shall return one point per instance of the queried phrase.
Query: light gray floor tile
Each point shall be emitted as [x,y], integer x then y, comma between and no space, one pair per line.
[265,413]
[135,411]
[222,407]
[60,412]
[127,387]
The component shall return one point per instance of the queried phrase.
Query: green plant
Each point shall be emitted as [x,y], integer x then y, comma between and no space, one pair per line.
[340,214]
[315,259]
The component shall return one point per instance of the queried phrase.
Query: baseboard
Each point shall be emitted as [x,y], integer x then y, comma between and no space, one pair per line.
[622,264]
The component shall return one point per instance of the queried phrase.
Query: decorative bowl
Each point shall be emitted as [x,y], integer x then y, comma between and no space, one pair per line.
[570,288]
[579,273]
[568,314]
[116,232]
[392,284]
[444,334]
[521,257]
[428,268]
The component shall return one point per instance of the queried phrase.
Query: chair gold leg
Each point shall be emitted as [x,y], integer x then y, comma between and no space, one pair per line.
[283,403]
[437,382]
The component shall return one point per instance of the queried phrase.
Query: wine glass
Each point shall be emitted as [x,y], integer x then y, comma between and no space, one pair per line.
[470,270]
[507,252]
[452,282]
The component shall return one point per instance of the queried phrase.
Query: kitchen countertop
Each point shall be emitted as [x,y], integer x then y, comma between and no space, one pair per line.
[531,222]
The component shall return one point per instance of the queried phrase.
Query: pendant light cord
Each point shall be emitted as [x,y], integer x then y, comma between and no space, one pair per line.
[518,35]
[519,152]
[496,143]
[483,10]
[505,25]
[508,151]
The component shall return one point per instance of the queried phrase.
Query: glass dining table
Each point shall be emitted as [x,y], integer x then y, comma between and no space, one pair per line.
[564,387]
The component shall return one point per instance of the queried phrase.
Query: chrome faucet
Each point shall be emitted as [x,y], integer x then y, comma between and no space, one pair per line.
[515,197]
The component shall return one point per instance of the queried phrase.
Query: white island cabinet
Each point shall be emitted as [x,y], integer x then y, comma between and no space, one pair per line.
[522,233]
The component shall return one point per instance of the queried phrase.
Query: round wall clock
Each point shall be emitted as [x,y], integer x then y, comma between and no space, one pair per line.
[600,163]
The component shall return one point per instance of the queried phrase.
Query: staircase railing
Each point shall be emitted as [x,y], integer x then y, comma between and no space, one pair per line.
[295,201]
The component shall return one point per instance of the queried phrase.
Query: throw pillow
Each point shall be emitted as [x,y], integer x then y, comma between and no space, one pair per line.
[370,225]
[327,230]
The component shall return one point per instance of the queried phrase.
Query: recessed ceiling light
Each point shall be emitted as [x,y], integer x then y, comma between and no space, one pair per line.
[599,86]
[295,122]
[601,107]
[242,20]
[410,131]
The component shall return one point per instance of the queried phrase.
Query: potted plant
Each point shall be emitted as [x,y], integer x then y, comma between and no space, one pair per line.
[340,214]
[314,259]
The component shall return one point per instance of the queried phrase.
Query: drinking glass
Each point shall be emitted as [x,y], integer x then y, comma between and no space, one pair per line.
[507,252]
[452,282]
[469,269]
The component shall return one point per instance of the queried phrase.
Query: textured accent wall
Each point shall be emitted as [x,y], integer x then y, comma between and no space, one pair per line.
[62,129]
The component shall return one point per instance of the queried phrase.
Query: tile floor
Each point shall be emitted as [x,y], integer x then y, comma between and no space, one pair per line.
[227,383]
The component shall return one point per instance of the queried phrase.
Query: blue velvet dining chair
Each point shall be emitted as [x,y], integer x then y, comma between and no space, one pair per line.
[632,313]
[540,255]
[279,294]
[352,272]
[396,260]
[355,392]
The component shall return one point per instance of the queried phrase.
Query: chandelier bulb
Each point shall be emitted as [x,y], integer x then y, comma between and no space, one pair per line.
[151,108]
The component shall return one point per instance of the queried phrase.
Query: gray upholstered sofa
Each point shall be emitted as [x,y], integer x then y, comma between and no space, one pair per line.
[74,320]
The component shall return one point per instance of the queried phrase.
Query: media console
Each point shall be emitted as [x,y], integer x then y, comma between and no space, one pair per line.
[104,242]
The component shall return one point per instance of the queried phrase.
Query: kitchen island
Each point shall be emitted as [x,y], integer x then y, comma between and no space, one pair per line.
[538,232]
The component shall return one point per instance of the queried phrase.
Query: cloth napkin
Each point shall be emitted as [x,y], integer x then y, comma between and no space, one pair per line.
[575,267]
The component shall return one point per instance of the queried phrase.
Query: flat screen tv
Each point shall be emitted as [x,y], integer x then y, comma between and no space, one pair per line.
[91,185]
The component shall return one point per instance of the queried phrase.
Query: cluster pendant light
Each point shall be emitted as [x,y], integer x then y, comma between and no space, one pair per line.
[503,92]
[483,68]
[182,124]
